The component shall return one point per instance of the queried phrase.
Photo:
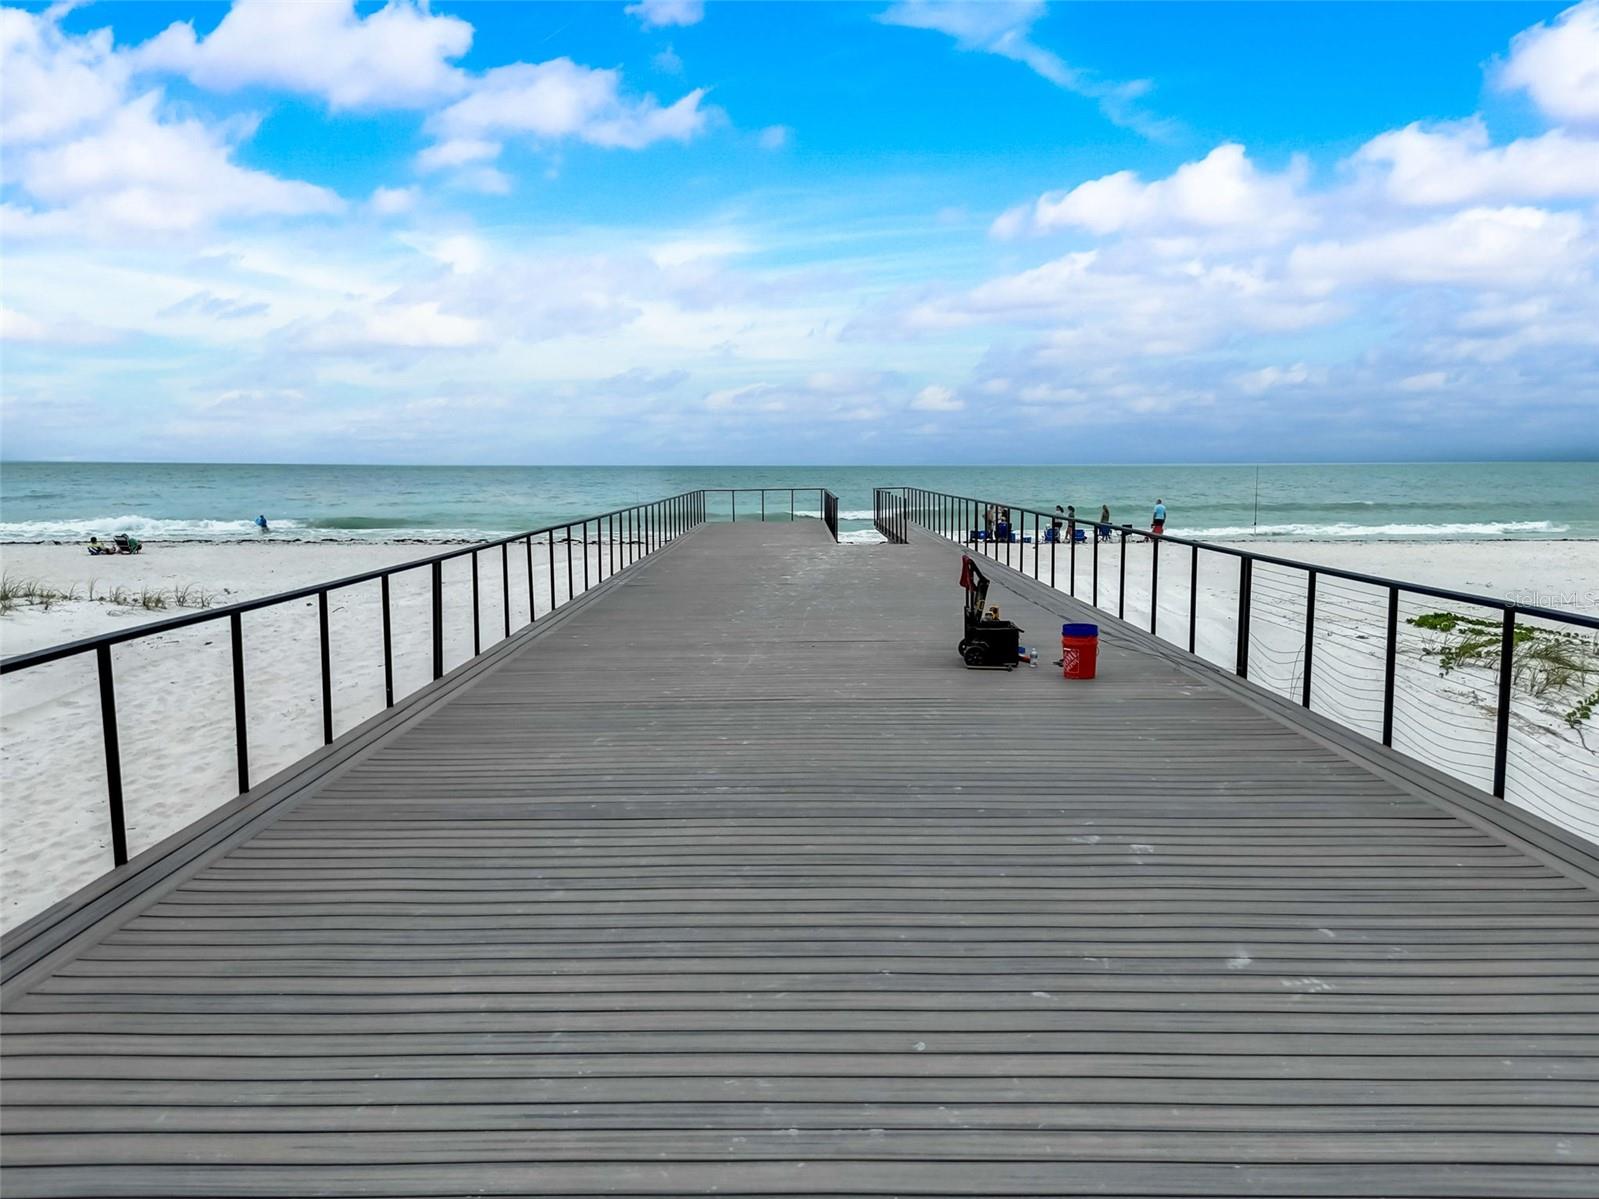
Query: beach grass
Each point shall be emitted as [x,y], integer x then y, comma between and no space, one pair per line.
[33,594]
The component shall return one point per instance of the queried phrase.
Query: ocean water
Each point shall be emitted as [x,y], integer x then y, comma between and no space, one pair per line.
[1432,501]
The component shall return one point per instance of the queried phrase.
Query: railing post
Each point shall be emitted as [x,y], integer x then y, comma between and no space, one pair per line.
[1071,556]
[1246,581]
[327,667]
[388,644]
[1035,545]
[438,620]
[1121,581]
[532,601]
[1310,634]
[1096,566]
[241,726]
[569,563]
[1390,657]
[113,755]
[553,604]
[733,500]
[505,583]
[585,557]
[763,505]
[477,623]
[1154,582]
[1193,596]
[1507,670]
[1053,542]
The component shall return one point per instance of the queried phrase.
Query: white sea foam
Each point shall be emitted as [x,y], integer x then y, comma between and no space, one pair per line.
[1344,529]
[150,528]
[146,528]
[860,537]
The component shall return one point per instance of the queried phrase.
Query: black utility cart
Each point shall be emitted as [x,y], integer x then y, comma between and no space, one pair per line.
[988,644]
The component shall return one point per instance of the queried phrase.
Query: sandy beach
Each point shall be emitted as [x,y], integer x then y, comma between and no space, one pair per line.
[175,705]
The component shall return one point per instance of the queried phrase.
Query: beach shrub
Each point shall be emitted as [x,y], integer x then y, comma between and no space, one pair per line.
[1543,660]
[1583,711]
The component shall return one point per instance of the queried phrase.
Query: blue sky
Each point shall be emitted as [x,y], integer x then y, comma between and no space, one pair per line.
[761,232]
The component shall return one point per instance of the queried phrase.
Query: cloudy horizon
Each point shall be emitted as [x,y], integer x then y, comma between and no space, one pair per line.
[913,232]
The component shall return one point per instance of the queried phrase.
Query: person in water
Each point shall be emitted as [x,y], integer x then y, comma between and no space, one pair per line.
[261,523]
[1158,521]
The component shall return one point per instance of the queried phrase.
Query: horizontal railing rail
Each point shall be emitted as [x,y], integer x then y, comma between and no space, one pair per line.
[1500,646]
[612,542]
[826,504]
[623,536]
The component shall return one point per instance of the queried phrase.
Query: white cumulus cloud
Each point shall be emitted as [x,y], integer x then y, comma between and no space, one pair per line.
[1558,65]
[138,171]
[1222,191]
[1456,164]
[52,84]
[1510,247]
[655,14]
[398,56]
[87,154]
[934,398]
[560,99]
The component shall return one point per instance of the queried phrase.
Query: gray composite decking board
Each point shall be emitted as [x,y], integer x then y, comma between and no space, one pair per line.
[732,878]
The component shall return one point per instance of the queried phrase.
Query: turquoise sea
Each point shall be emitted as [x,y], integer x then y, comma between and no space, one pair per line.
[1450,501]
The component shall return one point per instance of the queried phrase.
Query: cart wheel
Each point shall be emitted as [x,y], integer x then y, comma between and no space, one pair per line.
[961,648]
[974,655]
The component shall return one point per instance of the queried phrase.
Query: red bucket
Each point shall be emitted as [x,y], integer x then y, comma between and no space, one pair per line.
[1079,650]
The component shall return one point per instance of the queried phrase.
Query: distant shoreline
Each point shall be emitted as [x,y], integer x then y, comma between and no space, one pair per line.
[494,538]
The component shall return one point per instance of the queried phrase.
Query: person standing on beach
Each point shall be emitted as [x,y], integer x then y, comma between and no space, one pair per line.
[1104,522]
[988,522]
[1158,521]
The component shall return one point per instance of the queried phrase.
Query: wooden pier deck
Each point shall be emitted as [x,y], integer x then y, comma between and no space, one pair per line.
[729,878]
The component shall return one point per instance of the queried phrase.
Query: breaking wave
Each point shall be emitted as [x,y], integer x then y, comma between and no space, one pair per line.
[150,528]
[1316,532]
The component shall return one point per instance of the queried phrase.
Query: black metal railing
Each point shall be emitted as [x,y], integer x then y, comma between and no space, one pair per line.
[826,505]
[622,536]
[1357,664]
[890,515]
[610,542]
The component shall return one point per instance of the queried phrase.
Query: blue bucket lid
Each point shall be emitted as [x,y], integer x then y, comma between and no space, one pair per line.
[1079,630]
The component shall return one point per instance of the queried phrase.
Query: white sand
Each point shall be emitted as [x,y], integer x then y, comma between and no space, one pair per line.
[175,706]
[175,690]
